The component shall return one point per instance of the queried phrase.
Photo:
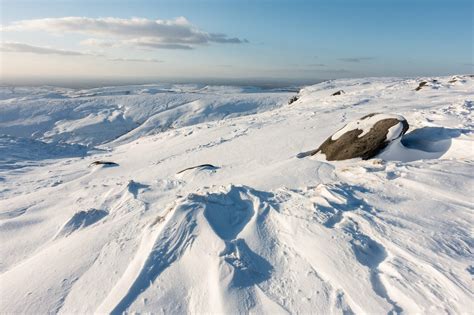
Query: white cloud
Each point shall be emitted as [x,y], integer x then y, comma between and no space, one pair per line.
[26,48]
[163,34]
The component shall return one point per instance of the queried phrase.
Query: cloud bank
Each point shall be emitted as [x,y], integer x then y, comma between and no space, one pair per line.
[39,50]
[177,33]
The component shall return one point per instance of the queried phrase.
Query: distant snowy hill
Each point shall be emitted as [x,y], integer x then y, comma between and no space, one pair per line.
[257,229]
[97,116]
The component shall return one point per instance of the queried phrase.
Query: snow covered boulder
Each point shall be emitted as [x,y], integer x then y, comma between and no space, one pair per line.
[364,138]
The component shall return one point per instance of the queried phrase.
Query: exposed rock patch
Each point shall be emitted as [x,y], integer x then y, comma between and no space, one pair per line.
[363,138]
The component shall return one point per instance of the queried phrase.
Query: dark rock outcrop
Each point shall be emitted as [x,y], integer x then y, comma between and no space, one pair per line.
[202,166]
[104,163]
[421,85]
[363,138]
[340,92]
[293,99]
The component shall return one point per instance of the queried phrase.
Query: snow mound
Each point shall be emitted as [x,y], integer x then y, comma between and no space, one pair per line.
[81,220]
[431,143]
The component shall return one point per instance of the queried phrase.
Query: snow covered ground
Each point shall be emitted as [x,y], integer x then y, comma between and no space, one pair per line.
[257,230]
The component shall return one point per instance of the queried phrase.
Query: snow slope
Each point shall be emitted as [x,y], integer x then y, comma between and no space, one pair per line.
[261,231]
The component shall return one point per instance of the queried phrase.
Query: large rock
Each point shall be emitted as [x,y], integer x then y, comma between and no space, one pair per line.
[363,138]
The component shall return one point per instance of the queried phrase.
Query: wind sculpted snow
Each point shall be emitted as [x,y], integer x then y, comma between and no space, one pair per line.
[263,232]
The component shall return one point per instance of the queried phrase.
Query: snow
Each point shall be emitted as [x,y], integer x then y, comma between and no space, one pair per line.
[394,132]
[261,231]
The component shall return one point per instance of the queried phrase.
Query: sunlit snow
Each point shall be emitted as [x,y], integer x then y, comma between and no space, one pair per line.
[260,230]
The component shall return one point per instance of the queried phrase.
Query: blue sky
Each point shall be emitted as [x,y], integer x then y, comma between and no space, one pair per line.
[258,39]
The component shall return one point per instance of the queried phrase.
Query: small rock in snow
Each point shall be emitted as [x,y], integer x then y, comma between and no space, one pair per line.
[340,92]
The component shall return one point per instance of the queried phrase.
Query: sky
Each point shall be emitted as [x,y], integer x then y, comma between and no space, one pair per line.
[234,39]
